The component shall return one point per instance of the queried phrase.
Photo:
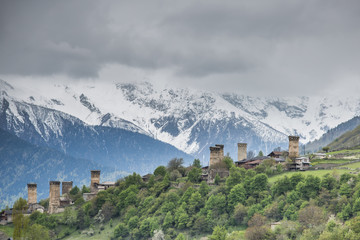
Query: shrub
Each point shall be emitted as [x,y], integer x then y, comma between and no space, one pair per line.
[121,230]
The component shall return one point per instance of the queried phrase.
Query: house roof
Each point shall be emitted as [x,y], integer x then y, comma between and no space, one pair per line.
[275,153]
[108,183]
[254,162]
[253,159]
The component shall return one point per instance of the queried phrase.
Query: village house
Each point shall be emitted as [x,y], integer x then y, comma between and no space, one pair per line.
[300,163]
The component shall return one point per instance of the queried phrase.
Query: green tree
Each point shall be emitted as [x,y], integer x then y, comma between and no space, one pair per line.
[228,162]
[326,149]
[19,220]
[346,212]
[160,171]
[85,189]
[257,229]
[168,221]
[309,188]
[356,206]
[219,233]
[175,174]
[75,190]
[328,182]
[69,216]
[217,179]
[355,224]
[261,154]
[175,163]
[36,232]
[240,212]
[216,203]
[236,176]
[257,220]
[195,203]
[121,230]
[345,190]
[196,163]
[148,226]
[204,189]
[82,220]
[237,195]
[180,237]
[259,183]
[281,186]
[312,216]
[257,233]
[108,210]
[133,222]
[194,175]
[200,224]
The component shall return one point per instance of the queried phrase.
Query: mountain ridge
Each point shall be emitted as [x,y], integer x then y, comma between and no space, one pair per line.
[192,120]
[22,162]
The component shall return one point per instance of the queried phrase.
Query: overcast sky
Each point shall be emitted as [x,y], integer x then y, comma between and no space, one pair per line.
[287,47]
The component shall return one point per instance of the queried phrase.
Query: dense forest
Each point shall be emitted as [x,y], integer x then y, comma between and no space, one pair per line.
[175,204]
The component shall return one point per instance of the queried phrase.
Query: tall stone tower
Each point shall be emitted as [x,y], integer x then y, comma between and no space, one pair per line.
[95,179]
[215,155]
[293,146]
[242,151]
[54,197]
[221,146]
[32,193]
[66,187]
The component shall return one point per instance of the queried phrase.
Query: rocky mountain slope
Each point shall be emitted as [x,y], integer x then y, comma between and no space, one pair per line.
[348,140]
[190,120]
[332,134]
[22,163]
[117,148]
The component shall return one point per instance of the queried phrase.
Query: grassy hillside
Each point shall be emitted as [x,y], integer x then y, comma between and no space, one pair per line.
[332,134]
[348,140]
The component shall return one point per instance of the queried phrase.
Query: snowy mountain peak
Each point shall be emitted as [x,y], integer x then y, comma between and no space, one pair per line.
[188,119]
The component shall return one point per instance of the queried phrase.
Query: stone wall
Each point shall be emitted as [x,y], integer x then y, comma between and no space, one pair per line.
[293,146]
[54,196]
[66,187]
[32,193]
[215,155]
[221,154]
[95,179]
[242,151]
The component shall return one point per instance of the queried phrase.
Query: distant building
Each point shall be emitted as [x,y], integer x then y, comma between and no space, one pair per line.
[300,163]
[251,163]
[6,217]
[320,155]
[146,177]
[96,186]
[277,154]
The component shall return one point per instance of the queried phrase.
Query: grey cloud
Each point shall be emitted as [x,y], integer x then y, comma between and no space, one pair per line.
[241,43]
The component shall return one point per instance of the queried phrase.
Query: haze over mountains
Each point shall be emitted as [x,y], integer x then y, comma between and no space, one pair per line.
[125,127]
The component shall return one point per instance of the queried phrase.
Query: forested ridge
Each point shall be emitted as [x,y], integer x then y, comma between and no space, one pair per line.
[175,204]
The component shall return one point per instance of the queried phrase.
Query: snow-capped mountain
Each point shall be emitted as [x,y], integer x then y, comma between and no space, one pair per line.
[190,120]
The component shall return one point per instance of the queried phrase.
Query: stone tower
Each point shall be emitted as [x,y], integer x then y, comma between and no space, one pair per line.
[293,146]
[95,179]
[221,146]
[54,197]
[32,193]
[215,155]
[242,151]
[66,187]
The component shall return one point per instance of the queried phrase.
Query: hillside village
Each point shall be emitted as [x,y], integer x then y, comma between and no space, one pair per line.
[59,201]
[216,176]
